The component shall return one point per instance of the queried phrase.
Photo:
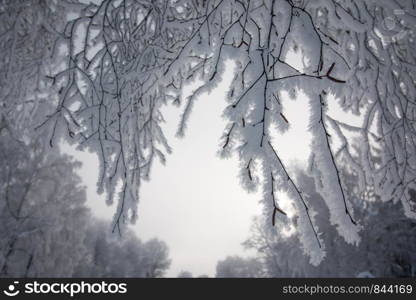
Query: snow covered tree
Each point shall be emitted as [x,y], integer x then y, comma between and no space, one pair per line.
[238,267]
[42,210]
[111,255]
[42,201]
[156,262]
[28,35]
[387,249]
[47,230]
[185,274]
[124,59]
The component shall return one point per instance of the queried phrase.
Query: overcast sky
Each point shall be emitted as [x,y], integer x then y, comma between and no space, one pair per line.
[195,203]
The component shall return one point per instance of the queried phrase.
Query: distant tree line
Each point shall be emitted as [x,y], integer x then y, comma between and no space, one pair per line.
[46,230]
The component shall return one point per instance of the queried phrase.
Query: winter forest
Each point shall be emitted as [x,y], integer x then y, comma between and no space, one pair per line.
[314,101]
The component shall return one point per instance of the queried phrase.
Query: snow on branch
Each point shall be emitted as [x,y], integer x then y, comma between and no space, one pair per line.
[128,58]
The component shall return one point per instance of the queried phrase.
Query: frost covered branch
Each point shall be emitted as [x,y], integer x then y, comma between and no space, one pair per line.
[125,59]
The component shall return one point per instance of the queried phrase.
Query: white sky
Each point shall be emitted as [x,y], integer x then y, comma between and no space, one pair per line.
[195,203]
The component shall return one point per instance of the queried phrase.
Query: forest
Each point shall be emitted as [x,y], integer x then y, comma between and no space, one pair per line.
[100,76]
